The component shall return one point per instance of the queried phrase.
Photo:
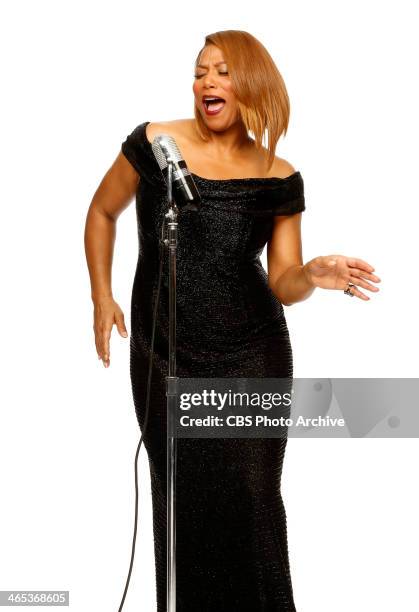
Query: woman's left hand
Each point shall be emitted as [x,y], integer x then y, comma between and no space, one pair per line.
[336,271]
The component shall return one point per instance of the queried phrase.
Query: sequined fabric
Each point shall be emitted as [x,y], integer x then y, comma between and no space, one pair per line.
[232,550]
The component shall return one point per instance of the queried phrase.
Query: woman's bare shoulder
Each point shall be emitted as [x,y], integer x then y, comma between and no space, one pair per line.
[282,168]
[178,128]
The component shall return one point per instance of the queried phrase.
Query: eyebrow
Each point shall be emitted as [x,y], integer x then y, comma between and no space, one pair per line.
[205,66]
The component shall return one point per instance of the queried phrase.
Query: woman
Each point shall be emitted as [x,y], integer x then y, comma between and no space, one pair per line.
[232,550]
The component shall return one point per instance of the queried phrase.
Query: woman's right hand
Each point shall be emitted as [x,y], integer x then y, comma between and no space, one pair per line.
[107,313]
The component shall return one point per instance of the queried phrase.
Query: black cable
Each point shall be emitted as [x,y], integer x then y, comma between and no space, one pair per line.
[156,302]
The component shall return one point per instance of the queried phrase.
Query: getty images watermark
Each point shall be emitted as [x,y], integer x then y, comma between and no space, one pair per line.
[295,407]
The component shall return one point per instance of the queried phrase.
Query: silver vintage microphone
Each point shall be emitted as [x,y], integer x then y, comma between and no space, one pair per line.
[185,192]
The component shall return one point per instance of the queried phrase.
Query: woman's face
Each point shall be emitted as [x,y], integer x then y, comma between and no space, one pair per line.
[212,80]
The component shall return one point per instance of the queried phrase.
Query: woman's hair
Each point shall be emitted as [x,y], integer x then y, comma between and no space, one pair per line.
[258,86]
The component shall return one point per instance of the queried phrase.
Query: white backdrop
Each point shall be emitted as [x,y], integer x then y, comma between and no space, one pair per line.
[77,78]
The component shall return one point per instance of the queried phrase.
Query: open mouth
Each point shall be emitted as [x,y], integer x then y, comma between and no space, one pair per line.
[213,103]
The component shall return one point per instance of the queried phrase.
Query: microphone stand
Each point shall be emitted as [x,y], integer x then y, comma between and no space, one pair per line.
[172,392]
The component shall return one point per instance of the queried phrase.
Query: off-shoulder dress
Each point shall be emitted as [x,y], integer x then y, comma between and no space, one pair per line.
[232,549]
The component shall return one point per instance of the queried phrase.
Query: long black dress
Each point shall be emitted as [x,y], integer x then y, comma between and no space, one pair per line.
[232,551]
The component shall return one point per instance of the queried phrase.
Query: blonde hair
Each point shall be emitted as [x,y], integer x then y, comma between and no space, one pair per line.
[260,90]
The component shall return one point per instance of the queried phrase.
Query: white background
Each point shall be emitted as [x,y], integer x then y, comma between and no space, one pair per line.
[77,78]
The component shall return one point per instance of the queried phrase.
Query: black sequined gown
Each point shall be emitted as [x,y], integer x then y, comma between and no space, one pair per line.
[232,553]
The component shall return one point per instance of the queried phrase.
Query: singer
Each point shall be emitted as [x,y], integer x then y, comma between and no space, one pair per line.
[232,550]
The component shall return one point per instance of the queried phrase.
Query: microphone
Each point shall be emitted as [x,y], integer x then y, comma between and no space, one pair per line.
[185,192]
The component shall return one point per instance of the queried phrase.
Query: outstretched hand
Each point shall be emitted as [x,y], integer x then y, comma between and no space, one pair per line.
[336,271]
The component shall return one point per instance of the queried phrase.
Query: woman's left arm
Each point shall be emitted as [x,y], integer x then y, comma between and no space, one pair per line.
[292,281]
[285,261]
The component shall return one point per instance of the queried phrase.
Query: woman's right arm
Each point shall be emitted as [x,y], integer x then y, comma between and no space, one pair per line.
[113,195]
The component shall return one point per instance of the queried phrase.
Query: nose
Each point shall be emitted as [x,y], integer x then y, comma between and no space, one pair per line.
[209,80]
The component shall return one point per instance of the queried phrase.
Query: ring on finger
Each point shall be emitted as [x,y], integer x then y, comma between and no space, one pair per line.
[347,290]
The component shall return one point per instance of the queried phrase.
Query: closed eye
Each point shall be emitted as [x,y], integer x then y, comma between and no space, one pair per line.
[198,76]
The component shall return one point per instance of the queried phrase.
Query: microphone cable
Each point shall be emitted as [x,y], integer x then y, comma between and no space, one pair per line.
[156,303]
